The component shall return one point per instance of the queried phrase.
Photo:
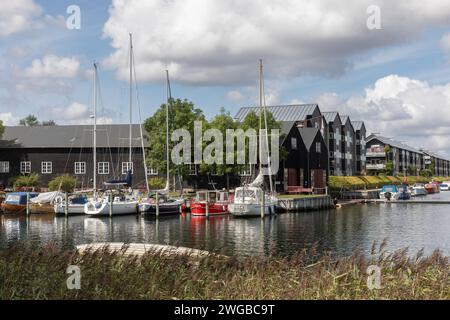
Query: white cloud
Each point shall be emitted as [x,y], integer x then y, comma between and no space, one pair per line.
[52,66]
[235,96]
[445,42]
[9,119]
[18,16]
[74,113]
[400,107]
[220,42]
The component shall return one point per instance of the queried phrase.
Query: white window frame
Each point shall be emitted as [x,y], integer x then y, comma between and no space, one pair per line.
[104,166]
[79,167]
[46,167]
[152,172]
[4,166]
[318,147]
[192,167]
[25,167]
[294,144]
[126,167]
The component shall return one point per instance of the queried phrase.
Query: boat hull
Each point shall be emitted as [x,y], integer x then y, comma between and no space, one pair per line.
[13,208]
[103,208]
[164,208]
[250,210]
[72,209]
[214,209]
[41,208]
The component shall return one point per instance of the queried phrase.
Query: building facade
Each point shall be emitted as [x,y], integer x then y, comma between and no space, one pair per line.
[56,150]
[347,149]
[360,147]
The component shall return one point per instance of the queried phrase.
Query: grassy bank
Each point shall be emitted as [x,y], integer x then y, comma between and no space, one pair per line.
[338,183]
[27,273]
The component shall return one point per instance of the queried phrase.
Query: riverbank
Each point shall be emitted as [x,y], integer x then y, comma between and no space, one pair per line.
[40,273]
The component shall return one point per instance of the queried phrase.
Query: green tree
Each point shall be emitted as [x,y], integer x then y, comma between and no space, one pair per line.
[26,181]
[2,129]
[29,121]
[389,170]
[182,115]
[64,183]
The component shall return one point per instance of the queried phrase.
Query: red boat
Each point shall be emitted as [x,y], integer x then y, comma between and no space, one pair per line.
[217,203]
[433,187]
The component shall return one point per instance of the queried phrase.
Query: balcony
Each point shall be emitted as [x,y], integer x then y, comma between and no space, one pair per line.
[378,166]
[378,154]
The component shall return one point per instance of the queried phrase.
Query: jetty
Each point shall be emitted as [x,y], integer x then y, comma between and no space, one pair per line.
[298,204]
[139,249]
[409,201]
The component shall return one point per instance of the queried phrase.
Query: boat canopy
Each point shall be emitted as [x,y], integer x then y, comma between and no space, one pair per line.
[47,197]
[124,182]
[19,198]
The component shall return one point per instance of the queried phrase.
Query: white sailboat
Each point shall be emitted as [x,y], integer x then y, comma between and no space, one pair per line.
[166,205]
[251,200]
[113,202]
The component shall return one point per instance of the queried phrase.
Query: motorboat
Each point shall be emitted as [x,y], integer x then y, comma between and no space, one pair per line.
[393,192]
[166,205]
[418,189]
[215,201]
[44,202]
[75,204]
[2,197]
[247,202]
[432,187]
[16,202]
[445,186]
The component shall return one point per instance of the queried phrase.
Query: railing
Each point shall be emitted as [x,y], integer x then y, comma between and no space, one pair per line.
[375,154]
[379,166]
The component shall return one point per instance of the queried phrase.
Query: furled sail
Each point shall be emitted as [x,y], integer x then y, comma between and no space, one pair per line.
[258,182]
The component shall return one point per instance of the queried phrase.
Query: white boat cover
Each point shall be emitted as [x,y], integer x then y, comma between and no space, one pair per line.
[258,182]
[46,197]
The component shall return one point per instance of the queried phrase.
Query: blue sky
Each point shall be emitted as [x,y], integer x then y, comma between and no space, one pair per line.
[313,52]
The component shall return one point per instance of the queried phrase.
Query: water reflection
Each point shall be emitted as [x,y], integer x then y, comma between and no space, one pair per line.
[339,231]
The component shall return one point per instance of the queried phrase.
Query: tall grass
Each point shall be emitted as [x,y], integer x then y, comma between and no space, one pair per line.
[40,273]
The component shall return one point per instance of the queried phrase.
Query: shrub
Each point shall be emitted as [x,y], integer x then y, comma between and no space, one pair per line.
[157,183]
[65,183]
[26,181]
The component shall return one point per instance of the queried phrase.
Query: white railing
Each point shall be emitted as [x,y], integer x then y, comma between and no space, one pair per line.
[375,154]
[379,166]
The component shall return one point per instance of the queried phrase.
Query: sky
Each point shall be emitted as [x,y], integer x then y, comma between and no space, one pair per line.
[394,74]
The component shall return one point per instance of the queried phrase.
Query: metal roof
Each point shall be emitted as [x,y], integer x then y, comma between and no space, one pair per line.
[357,125]
[295,112]
[72,136]
[330,116]
[393,143]
[433,154]
[344,118]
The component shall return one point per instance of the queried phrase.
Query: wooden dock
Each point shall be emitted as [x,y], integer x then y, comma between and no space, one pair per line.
[306,204]
[139,249]
[409,201]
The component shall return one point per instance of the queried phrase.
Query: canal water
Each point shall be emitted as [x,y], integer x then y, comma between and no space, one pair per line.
[340,231]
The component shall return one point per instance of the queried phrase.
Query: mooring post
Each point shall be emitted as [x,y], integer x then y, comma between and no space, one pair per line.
[157,205]
[66,204]
[28,203]
[207,205]
[111,199]
[262,204]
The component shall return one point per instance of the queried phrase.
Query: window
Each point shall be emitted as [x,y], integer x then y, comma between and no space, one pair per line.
[294,143]
[152,172]
[127,166]
[247,171]
[103,167]
[192,169]
[4,166]
[46,167]
[318,147]
[80,167]
[25,167]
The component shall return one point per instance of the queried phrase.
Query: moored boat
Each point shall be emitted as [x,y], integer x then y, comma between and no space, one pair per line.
[432,187]
[166,206]
[44,202]
[393,192]
[215,201]
[247,202]
[75,204]
[445,186]
[120,205]
[16,202]
[418,189]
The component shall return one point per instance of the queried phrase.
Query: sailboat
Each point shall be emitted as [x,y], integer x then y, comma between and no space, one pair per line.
[251,200]
[113,202]
[166,205]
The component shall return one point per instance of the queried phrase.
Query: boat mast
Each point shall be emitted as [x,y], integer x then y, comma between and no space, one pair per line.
[260,110]
[131,95]
[169,97]
[94,151]
[263,102]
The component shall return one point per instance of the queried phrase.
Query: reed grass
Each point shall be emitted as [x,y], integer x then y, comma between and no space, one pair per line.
[40,273]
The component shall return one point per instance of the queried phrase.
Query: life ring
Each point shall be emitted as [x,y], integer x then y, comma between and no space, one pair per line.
[59,199]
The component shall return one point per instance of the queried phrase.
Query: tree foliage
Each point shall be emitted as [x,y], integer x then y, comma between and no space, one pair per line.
[2,129]
[26,181]
[64,183]
[29,121]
